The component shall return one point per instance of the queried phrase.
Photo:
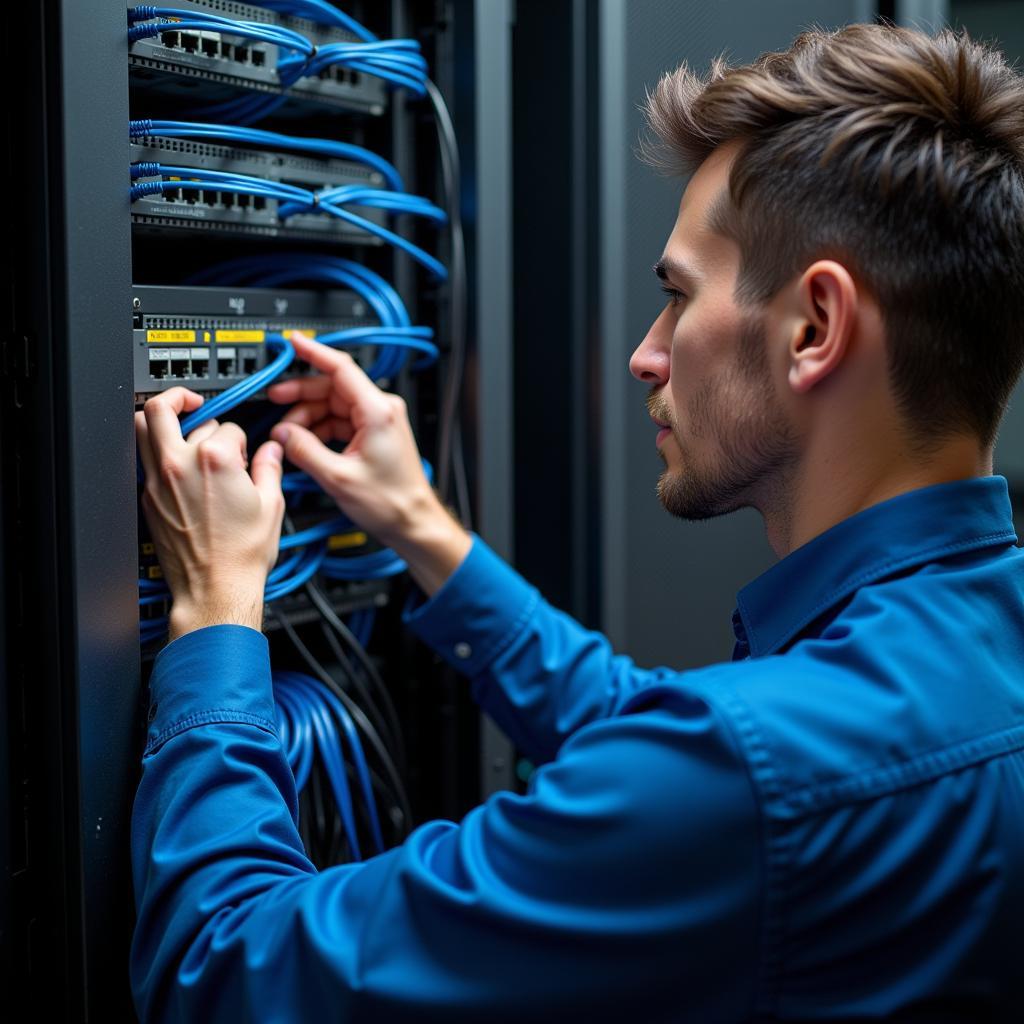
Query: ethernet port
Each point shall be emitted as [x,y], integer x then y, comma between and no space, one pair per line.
[191,195]
[259,58]
[169,39]
[249,364]
[226,366]
[210,47]
[355,77]
[259,202]
[227,50]
[241,53]
[179,364]
[209,198]
[189,42]
[159,368]
[200,367]
[244,199]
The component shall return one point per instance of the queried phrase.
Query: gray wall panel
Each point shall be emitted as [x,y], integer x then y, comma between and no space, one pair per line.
[669,587]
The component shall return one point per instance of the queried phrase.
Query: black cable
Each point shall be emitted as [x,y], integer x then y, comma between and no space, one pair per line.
[450,452]
[323,606]
[357,715]
[380,723]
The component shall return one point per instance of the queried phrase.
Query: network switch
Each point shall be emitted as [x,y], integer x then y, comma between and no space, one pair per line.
[225,211]
[179,60]
[211,338]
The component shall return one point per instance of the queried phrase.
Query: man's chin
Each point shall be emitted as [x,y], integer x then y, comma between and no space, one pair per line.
[687,496]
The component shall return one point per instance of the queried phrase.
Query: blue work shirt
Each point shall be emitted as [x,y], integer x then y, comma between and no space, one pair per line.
[829,827]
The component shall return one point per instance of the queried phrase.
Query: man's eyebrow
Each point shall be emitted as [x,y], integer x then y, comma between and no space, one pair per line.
[681,271]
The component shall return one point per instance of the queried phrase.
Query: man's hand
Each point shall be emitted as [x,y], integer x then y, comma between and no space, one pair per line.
[378,480]
[216,529]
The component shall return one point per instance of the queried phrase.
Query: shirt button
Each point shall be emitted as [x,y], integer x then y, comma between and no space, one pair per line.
[463,650]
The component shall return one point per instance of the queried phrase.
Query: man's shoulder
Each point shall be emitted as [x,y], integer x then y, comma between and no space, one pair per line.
[835,718]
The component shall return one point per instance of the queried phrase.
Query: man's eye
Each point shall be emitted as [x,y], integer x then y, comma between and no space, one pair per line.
[674,295]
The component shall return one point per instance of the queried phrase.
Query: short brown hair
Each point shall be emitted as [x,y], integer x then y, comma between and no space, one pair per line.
[900,154]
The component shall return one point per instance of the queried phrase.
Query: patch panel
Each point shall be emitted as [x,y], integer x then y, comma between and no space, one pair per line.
[178,62]
[223,211]
[210,338]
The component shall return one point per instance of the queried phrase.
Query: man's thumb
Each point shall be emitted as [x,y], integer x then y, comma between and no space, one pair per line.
[306,451]
[266,467]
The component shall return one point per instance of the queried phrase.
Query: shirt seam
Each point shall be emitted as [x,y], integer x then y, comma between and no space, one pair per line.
[764,772]
[889,779]
[211,716]
[865,577]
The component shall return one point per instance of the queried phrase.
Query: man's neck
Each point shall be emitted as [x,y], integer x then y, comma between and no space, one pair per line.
[832,486]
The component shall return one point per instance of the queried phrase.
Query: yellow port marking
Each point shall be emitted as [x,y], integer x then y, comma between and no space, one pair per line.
[241,336]
[356,539]
[173,337]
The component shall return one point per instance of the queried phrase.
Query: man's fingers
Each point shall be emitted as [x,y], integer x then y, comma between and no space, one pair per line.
[162,412]
[301,389]
[143,445]
[307,413]
[306,451]
[267,469]
[226,446]
[202,432]
[349,381]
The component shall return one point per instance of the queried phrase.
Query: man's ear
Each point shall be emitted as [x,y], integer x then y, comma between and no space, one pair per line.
[826,298]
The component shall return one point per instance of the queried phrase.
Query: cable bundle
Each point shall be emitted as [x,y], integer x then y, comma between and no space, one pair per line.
[396,336]
[311,718]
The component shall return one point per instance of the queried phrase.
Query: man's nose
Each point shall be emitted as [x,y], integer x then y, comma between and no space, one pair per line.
[650,362]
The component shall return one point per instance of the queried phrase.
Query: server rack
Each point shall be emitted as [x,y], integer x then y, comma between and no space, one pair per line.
[86,289]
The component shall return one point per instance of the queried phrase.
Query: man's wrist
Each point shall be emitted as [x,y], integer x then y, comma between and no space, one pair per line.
[238,607]
[431,542]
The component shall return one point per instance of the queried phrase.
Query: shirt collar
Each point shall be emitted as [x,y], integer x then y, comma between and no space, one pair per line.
[908,530]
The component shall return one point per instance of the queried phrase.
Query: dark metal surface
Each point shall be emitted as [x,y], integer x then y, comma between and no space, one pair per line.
[75,659]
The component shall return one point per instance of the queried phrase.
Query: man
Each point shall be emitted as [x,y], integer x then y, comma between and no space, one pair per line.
[831,826]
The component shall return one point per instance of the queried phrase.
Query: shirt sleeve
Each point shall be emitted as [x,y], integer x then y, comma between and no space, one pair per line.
[534,669]
[623,885]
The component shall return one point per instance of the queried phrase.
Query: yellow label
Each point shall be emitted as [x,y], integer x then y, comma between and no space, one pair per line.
[304,330]
[241,336]
[175,337]
[155,572]
[206,336]
[355,539]
[148,548]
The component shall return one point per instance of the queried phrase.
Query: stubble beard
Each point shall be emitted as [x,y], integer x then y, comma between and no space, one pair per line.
[757,446]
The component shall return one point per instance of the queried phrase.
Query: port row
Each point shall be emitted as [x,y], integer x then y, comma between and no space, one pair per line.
[211,45]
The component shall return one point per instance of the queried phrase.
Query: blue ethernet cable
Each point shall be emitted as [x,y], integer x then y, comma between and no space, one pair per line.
[361,623]
[375,566]
[149,128]
[320,11]
[395,336]
[315,695]
[312,714]
[397,61]
[296,732]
